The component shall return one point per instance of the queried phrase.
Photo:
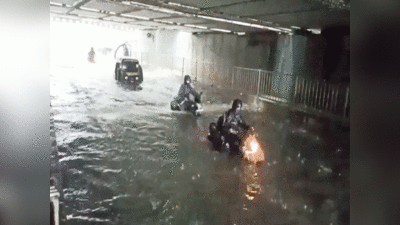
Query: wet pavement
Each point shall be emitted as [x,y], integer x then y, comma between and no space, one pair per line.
[131,160]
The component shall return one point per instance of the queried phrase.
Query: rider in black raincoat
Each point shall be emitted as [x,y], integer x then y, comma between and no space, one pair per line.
[185,91]
[91,55]
[233,121]
[233,126]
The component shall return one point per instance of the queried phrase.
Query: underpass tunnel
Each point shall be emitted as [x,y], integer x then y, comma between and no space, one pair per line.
[122,156]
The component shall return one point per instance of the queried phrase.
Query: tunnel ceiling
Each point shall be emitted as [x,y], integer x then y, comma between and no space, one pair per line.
[235,16]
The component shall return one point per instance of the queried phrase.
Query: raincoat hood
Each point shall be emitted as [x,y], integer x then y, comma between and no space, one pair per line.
[187,77]
[236,103]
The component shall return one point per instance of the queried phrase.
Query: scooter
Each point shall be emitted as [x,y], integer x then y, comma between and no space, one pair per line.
[91,59]
[242,143]
[179,104]
[229,142]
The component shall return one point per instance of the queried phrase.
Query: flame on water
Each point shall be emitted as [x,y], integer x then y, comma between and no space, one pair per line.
[252,150]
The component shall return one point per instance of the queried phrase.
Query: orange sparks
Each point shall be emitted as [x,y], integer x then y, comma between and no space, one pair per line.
[252,149]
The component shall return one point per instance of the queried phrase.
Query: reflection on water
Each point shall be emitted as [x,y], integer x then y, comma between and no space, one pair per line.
[133,161]
[252,180]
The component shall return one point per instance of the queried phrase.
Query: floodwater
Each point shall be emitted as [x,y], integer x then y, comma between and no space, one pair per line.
[131,160]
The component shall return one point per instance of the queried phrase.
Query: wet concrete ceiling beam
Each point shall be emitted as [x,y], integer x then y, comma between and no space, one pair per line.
[282,13]
[161,6]
[77,5]
[169,17]
[179,11]
[230,4]
[128,11]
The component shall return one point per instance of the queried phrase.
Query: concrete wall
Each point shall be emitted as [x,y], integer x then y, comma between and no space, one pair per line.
[287,55]
[214,47]
[214,56]
[164,49]
[270,52]
[232,50]
[167,42]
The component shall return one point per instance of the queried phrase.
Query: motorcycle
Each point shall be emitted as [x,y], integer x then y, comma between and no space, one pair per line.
[185,104]
[242,143]
[91,58]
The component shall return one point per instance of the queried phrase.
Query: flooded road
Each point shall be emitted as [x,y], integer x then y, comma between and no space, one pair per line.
[132,160]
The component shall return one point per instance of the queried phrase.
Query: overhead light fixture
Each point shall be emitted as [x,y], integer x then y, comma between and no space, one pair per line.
[257,26]
[154,8]
[213,18]
[285,29]
[222,30]
[240,23]
[295,27]
[136,17]
[163,21]
[201,27]
[169,11]
[315,31]
[265,27]
[183,6]
[56,3]
[194,26]
[113,13]
[88,9]
[241,33]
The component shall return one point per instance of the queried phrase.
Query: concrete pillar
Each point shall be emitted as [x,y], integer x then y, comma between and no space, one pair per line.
[54,198]
[283,79]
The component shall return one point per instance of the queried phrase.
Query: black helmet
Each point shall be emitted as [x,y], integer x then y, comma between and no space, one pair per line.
[187,77]
[236,103]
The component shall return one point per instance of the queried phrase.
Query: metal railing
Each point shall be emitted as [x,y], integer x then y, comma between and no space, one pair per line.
[258,82]
[321,95]
[246,79]
[317,95]
[265,83]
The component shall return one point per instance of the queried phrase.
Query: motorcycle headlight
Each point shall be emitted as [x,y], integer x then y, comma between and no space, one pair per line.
[126,78]
[124,67]
[137,65]
[137,78]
